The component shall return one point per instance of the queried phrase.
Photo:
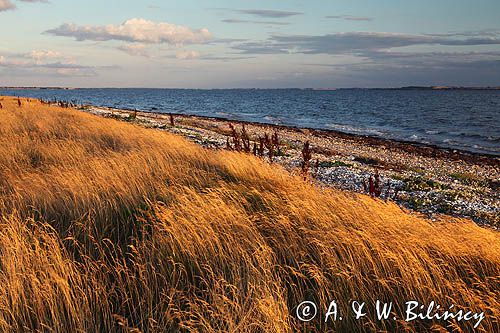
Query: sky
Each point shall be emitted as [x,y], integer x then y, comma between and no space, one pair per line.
[249,44]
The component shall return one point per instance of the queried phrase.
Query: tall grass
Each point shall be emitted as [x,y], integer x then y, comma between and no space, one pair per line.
[107,226]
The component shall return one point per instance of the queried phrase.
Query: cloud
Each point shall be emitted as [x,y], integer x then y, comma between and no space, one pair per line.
[438,71]
[224,58]
[36,56]
[349,18]
[264,12]
[380,59]
[192,55]
[419,56]
[6,5]
[134,30]
[476,33]
[40,55]
[46,62]
[393,69]
[187,55]
[254,22]
[268,13]
[135,49]
[428,60]
[354,42]
[227,40]
[261,48]
[235,21]
[57,68]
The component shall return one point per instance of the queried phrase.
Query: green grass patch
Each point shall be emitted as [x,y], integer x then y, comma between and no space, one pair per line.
[468,179]
[423,184]
[367,160]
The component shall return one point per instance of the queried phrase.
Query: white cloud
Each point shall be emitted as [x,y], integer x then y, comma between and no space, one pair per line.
[134,49]
[135,30]
[41,55]
[67,71]
[6,5]
[46,62]
[187,55]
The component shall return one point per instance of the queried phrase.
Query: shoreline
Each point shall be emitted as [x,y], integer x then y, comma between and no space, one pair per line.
[423,178]
[426,149]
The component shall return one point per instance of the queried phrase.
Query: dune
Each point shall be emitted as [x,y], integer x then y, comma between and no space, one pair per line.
[107,226]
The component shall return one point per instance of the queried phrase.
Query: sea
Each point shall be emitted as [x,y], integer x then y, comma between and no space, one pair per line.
[467,120]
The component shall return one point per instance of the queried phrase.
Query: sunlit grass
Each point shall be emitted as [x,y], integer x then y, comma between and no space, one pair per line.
[107,226]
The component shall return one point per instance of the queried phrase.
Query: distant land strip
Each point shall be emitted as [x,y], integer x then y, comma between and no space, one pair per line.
[319,89]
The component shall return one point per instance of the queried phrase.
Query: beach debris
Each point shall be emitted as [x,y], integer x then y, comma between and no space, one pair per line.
[236,139]
[133,115]
[276,142]
[241,140]
[316,168]
[372,185]
[261,146]
[260,149]
[245,139]
[63,104]
[272,143]
[377,189]
[306,158]
[270,147]
[367,160]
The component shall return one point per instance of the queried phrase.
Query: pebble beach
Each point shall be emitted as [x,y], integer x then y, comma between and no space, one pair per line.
[422,179]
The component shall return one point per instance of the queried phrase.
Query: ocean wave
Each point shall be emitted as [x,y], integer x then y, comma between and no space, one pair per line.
[271,118]
[356,130]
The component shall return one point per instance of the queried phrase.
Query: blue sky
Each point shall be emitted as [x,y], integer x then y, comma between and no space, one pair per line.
[263,44]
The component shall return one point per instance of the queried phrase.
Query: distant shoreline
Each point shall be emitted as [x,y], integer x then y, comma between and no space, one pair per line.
[38,88]
[435,88]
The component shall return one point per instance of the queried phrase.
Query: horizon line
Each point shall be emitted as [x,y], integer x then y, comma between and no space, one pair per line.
[433,87]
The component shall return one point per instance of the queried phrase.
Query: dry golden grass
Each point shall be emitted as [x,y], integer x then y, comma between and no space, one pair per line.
[106,226]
